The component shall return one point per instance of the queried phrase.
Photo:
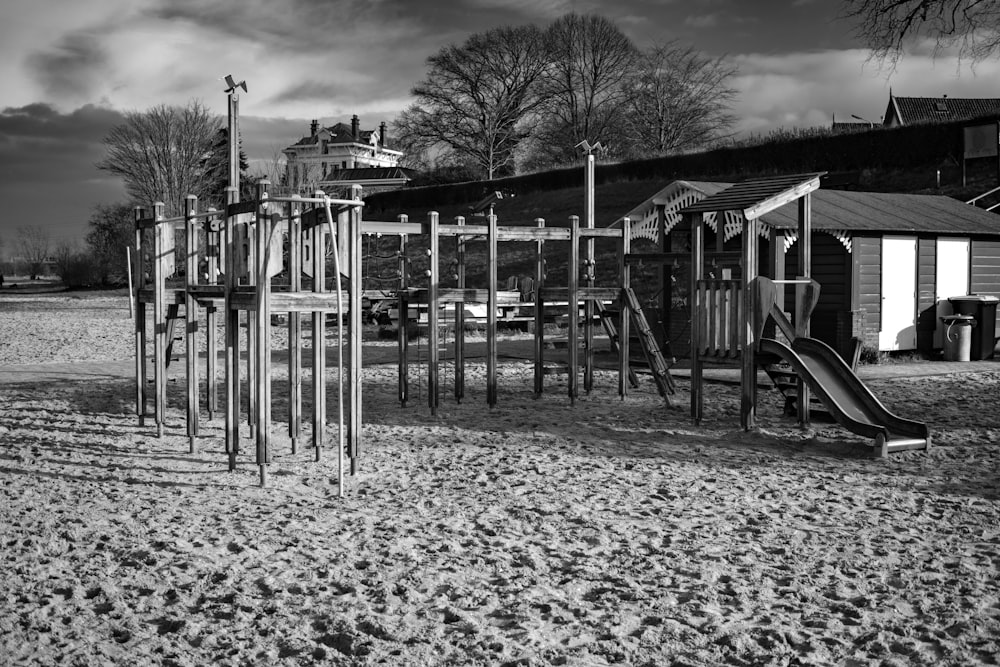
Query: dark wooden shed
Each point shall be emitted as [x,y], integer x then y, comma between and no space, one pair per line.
[886,262]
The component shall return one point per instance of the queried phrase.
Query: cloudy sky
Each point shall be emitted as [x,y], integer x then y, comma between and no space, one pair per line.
[70,69]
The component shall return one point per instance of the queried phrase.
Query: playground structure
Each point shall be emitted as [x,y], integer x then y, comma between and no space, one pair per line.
[732,318]
[247,241]
[246,245]
[242,250]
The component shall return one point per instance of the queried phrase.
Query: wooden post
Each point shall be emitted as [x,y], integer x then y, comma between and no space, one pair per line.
[319,333]
[572,307]
[141,391]
[748,366]
[460,314]
[402,309]
[213,250]
[590,262]
[491,310]
[232,331]
[294,325]
[159,318]
[539,311]
[696,307]
[191,318]
[260,376]
[355,338]
[433,333]
[625,279]
[805,271]
[665,274]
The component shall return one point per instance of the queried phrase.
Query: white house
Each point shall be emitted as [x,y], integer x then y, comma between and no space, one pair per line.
[327,155]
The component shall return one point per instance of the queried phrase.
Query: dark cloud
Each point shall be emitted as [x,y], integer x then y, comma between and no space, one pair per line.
[47,172]
[72,67]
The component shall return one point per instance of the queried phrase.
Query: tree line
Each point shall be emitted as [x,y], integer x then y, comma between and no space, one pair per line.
[522,98]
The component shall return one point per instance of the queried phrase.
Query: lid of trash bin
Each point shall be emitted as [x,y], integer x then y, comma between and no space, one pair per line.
[958,319]
[978,298]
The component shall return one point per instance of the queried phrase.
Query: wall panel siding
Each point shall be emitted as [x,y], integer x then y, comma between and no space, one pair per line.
[868,257]
[985,270]
[926,292]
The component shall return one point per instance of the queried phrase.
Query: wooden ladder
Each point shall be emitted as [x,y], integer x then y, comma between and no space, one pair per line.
[172,316]
[610,328]
[650,348]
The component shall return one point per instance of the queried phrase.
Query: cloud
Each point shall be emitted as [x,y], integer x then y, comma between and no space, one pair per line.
[47,172]
[808,88]
[702,21]
[72,66]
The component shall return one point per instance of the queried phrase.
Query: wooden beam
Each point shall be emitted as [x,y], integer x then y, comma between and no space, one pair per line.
[779,200]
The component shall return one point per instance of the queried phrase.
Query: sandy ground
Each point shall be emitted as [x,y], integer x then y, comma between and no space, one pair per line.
[535,533]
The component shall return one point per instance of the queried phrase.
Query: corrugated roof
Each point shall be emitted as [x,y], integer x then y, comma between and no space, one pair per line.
[853,211]
[752,193]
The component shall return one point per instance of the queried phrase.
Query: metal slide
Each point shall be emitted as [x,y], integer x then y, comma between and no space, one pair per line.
[847,398]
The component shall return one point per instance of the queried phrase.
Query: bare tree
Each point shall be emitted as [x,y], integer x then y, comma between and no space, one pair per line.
[476,96]
[590,57]
[112,230]
[33,247]
[678,100]
[886,26]
[163,154]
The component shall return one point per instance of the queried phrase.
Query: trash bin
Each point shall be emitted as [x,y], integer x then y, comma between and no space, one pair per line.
[983,309]
[958,337]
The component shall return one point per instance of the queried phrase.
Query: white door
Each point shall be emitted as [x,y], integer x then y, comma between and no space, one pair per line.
[952,279]
[899,293]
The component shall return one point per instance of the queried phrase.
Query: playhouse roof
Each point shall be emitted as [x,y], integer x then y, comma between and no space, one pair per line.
[755,197]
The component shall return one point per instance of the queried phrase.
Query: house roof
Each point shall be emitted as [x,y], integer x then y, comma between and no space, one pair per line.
[912,110]
[340,133]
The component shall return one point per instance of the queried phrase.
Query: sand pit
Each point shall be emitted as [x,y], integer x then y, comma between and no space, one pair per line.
[535,533]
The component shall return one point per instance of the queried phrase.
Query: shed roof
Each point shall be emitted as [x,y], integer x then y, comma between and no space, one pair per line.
[854,211]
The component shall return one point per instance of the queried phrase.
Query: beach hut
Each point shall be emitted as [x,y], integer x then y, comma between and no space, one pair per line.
[886,262]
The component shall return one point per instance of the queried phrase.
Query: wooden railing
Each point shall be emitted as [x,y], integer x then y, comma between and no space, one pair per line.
[721,312]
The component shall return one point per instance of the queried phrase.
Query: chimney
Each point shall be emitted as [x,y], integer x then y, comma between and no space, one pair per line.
[355,128]
[313,128]
[381,134]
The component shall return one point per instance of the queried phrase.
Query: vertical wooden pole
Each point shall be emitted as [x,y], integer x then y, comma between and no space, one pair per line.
[573,307]
[295,325]
[402,309]
[231,319]
[665,274]
[191,318]
[625,280]
[539,310]
[491,309]
[260,377]
[802,327]
[213,249]
[159,318]
[696,306]
[139,271]
[356,333]
[748,366]
[433,333]
[590,261]
[319,333]
[460,314]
